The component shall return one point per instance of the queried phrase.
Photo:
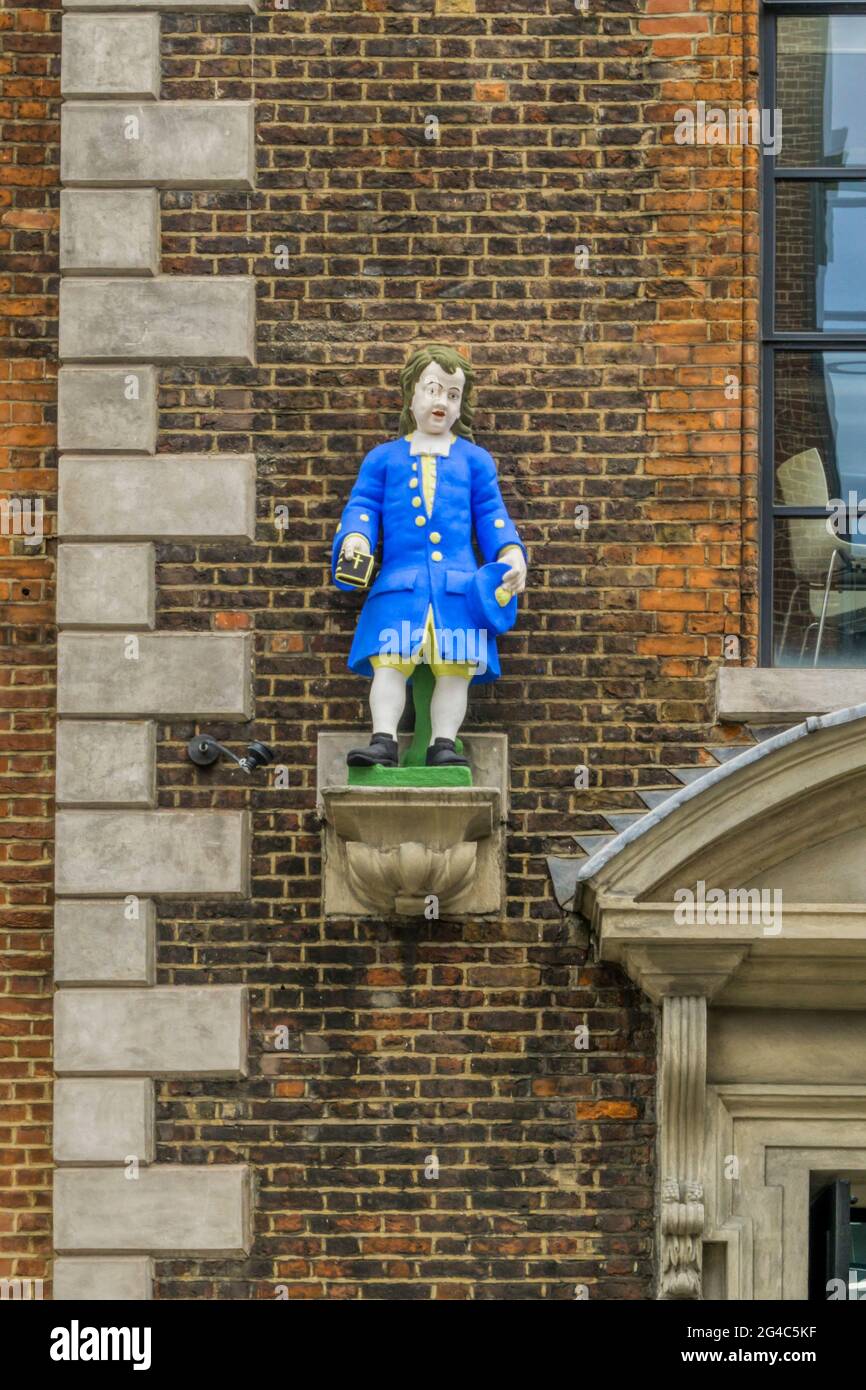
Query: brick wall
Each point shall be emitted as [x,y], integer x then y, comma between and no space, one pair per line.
[701,263]
[601,385]
[29,105]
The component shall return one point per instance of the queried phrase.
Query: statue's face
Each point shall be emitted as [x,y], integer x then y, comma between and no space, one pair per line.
[437,398]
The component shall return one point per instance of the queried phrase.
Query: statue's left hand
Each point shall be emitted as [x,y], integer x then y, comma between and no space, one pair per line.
[515,579]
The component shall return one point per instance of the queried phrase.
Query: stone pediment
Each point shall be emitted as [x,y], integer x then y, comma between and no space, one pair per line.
[749,882]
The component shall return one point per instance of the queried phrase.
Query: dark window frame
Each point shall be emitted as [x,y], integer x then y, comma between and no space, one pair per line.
[773,342]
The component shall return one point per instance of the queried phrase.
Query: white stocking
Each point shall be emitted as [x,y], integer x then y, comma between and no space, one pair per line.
[387,699]
[448,706]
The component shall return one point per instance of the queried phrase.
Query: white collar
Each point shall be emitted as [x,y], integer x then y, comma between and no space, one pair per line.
[443,452]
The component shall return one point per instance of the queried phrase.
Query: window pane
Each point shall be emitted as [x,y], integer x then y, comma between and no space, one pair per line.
[820,261]
[858,1243]
[820,83]
[819,448]
[809,561]
[857,1272]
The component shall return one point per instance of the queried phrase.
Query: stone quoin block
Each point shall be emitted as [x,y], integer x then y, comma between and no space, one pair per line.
[109,231]
[186,674]
[106,763]
[782,695]
[171,1030]
[110,55]
[169,1209]
[165,144]
[178,853]
[172,318]
[91,1279]
[169,497]
[98,942]
[109,408]
[106,586]
[103,1119]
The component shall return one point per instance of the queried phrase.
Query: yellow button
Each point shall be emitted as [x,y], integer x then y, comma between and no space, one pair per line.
[413,482]
[437,555]
[498,523]
[435,537]
[364,516]
[414,468]
[420,521]
[416,501]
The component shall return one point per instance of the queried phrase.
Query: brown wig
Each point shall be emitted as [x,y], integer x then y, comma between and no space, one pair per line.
[449,359]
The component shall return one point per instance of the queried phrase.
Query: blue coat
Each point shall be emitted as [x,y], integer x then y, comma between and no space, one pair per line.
[427,562]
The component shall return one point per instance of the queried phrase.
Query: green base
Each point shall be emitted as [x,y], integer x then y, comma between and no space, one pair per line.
[410,776]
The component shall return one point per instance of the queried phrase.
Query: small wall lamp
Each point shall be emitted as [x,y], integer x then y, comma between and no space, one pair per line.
[205,750]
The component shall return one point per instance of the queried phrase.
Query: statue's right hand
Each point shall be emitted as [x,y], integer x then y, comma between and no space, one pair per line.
[355,545]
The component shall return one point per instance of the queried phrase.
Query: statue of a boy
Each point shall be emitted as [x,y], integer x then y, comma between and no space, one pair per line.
[424,494]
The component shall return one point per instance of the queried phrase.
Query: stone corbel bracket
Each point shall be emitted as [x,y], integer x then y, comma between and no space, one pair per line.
[414,851]
[683,1101]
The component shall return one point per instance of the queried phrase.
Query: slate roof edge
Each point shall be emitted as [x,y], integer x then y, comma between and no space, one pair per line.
[753,754]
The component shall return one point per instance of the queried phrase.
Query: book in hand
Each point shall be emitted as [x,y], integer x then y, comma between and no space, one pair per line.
[356,571]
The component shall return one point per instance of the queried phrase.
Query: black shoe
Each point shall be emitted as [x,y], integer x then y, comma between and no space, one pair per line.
[382,752]
[442,753]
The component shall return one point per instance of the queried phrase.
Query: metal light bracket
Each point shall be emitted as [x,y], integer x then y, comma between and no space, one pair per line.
[204,751]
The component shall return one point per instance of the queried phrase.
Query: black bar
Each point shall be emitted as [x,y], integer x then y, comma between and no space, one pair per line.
[192,1341]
